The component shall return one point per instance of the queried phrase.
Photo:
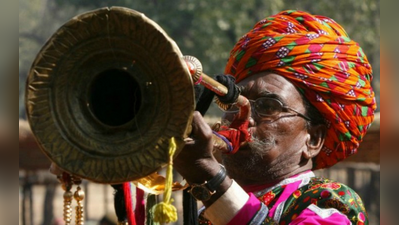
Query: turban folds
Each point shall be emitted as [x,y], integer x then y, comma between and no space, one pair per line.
[324,64]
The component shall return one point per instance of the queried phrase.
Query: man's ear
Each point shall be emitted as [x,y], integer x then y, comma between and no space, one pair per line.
[316,137]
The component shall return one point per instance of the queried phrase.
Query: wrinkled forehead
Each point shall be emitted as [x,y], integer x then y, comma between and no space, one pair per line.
[269,84]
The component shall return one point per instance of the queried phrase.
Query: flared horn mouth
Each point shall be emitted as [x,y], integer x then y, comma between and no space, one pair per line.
[106,93]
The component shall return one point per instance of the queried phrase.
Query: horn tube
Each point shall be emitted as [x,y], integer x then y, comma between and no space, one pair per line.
[106,93]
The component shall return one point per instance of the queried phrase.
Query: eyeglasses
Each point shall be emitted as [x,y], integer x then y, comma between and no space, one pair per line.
[269,107]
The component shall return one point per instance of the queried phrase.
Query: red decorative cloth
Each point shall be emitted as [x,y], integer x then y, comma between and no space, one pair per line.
[236,134]
[327,67]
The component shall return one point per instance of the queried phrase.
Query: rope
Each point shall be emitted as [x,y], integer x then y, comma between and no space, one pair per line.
[165,212]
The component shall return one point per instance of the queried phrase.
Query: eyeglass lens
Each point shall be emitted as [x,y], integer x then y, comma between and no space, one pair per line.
[268,106]
[263,106]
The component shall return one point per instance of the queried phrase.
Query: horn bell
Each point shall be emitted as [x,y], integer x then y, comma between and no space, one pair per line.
[106,93]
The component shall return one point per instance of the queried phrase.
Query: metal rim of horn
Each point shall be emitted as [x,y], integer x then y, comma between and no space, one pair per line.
[106,93]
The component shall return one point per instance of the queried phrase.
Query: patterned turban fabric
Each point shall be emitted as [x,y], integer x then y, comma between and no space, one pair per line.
[324,64]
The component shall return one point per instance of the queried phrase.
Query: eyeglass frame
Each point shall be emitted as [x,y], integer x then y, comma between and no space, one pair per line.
[254,108]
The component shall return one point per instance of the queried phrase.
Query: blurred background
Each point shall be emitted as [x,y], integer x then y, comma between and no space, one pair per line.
[207,30]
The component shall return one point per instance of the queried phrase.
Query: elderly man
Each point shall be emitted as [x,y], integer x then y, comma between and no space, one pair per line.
[312,102]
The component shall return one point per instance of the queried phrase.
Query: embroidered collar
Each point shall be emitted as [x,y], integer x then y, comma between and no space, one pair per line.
[305,177]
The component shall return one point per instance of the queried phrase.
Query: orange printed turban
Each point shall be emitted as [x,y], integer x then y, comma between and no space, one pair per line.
[326,66]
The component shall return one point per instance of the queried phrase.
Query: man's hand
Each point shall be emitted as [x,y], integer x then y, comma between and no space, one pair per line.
[196,162]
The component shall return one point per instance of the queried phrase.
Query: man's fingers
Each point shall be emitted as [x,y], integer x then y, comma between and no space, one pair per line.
[201,130]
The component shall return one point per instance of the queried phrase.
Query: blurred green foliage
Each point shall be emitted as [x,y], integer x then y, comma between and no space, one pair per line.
[205,29]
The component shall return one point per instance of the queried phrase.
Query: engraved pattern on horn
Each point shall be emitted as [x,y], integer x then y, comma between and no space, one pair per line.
[59,99]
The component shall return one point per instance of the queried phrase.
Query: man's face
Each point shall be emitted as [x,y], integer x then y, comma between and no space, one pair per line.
[276,149]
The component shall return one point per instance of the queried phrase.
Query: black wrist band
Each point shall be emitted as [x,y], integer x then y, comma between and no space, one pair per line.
[215,182]
[204,191]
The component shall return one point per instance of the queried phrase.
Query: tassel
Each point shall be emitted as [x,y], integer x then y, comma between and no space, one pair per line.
[151,201]
[119,203]
[127,191]
[165,212]
[140,207]
[190,209]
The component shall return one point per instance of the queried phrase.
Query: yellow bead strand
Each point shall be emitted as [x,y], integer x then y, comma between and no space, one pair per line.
[79,196]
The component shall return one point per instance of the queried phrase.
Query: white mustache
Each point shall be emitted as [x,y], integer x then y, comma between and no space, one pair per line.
[260,147]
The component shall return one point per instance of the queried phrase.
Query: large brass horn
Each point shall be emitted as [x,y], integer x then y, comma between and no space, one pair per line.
[106,93]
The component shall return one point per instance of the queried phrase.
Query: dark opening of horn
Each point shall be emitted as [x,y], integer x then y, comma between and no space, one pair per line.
[115,97]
